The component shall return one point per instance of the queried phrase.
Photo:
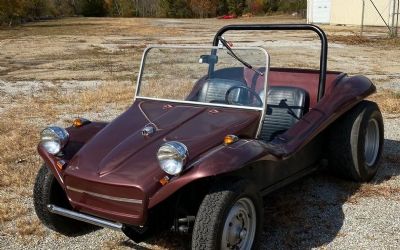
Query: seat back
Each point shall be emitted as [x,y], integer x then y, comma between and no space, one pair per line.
[214,89]
[285,106]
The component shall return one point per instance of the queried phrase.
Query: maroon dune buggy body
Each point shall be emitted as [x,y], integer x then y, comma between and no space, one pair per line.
[109,175]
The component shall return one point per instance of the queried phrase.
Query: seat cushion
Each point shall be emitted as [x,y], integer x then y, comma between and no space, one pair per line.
[285,106]
[214,89]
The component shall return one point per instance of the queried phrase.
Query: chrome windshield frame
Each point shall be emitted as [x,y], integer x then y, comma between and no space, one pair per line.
[266,75]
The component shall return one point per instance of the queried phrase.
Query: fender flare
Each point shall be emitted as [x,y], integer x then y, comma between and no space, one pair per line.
[77,138]
[217,161]
[344,95]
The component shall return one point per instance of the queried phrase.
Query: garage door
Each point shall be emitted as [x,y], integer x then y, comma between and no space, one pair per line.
[321,10]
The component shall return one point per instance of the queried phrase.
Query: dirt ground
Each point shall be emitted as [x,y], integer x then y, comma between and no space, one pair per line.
[53,71]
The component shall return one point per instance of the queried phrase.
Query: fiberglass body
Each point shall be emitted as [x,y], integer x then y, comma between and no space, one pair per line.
[110,170]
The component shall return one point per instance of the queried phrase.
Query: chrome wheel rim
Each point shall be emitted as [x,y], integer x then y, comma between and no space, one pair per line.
[371,147]
[240,225]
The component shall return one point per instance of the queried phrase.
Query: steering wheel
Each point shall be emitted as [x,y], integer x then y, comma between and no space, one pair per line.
[245,88]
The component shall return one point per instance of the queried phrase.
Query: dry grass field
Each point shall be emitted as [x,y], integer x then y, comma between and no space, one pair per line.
[54,71]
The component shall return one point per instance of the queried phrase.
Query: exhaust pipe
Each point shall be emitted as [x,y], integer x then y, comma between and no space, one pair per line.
[84,217]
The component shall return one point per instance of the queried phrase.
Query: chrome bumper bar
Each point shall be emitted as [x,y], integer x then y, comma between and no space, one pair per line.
[84,217]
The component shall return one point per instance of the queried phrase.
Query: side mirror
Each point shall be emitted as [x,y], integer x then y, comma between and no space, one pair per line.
[209,59]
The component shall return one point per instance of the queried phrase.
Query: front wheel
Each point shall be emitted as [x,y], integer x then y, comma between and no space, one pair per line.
[48,191]
[229,217]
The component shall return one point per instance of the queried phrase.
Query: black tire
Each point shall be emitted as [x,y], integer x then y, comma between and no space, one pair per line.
[46,191]
[213,214]
[347,140]
[159,219]
[139,234]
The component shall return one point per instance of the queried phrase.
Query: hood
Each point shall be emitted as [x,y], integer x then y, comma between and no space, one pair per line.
[119,153]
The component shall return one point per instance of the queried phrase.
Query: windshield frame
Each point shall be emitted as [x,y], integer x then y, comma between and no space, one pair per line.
[219,48]
[146,51]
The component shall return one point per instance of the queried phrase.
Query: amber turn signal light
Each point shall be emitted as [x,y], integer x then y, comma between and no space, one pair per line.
[79,122]
[229,139]
[60,164]
[164,181]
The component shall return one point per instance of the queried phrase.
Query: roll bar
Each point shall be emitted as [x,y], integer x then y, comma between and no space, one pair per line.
[316,29]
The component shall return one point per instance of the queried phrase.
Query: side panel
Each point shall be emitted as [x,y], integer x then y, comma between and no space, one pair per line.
[267,174]
[245,158]
[299,146]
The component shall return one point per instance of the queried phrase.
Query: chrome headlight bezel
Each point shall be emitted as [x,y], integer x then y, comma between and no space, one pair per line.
[172,157]
[53,139]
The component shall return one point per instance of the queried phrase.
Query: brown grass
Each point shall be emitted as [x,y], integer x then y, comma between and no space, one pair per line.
[91,27]
[28,227]
[97,100]
[25,228]
[19,137]
[10,210]
[17,147]
[26,114]
[370,190]
[178,242]
[389,101]
[356,39]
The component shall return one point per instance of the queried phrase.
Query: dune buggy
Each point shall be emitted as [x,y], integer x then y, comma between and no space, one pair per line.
[211,131]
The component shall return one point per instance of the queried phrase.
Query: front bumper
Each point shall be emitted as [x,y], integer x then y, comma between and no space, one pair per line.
[84,217]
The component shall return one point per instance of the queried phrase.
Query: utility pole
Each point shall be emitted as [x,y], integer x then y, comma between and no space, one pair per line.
[397,20]
[362,17]
[393,15]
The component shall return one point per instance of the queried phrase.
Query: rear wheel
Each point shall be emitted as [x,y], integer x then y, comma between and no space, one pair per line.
[46,191]
[356,142]
[229,217]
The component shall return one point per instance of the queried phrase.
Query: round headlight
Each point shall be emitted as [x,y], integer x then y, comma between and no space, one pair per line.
[172,157]
[53,139]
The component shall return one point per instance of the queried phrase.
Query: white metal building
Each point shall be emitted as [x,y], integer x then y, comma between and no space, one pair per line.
[350,12]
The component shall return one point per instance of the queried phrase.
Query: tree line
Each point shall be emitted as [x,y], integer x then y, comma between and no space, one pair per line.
[19,11]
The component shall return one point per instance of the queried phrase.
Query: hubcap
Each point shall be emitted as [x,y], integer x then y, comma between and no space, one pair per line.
[240,226]
[371,142]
